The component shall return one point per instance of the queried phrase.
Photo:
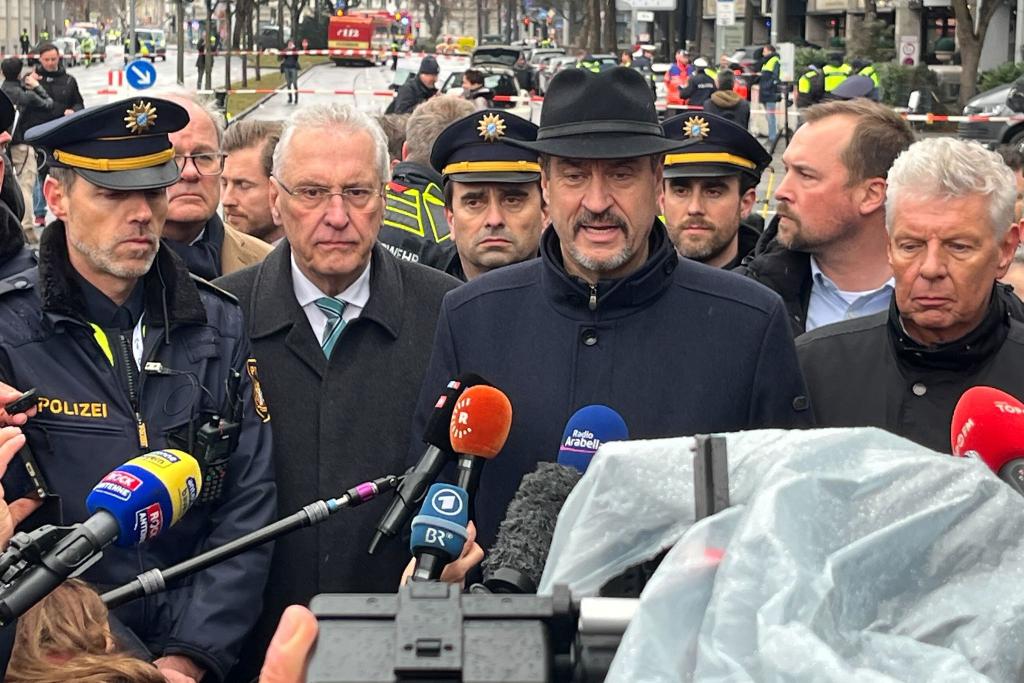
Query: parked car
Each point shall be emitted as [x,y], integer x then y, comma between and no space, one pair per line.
[272,38]
[155,42]
[70,51]
[554,65]
[992,133]
[503,55]
[500,80]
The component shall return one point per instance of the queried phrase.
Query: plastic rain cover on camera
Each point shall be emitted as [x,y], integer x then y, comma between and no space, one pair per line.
[846,555]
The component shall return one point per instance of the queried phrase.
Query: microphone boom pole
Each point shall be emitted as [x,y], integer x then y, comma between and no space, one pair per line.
[156,580]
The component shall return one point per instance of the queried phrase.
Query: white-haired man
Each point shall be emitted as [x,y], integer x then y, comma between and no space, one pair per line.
[950,325]
[344,330]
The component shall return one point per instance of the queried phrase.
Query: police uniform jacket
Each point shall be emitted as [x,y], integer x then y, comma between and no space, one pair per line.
[336,423]
[15,256]
[676,348]
[698,89]
[868,372]
[87,427]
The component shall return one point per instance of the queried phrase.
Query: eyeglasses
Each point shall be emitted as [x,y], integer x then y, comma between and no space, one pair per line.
[316,196]
[208,163]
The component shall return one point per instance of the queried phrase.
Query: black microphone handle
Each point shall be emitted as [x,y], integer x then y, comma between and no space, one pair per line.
[156,580]
[1013,474]
[429,564]
[76,551]
[468,478]
[409,495]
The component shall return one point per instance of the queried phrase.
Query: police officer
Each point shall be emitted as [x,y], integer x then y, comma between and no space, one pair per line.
[701,85]
[492,194]
[711,187]
[130,354]
[835,71]
[810,87]
[862,67]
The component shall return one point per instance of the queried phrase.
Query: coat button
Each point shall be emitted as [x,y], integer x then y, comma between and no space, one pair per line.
[589,337]
[919,389]
[800,403]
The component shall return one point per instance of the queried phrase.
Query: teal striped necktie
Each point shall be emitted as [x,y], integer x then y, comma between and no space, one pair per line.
[333,309]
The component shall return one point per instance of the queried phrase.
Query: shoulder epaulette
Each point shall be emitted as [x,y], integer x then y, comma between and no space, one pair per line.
[26,279]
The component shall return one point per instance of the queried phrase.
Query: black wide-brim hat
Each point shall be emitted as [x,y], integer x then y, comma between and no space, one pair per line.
[605,115]
[121,146]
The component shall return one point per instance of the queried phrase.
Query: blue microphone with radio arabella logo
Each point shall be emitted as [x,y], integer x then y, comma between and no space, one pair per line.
[586,430]
[439,531]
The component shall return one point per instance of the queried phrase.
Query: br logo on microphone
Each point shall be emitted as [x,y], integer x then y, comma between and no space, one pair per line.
[446,502]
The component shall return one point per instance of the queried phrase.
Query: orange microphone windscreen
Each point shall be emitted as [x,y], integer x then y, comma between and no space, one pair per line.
[481,421]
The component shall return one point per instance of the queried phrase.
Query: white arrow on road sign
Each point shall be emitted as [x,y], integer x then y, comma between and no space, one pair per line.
[142,77]
[140,74]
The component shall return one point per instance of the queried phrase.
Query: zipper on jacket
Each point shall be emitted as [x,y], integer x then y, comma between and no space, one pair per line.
[128,363]
[593,297]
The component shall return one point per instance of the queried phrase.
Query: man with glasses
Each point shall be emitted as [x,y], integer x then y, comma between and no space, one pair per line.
[193,229]
[131,354]
[341,329]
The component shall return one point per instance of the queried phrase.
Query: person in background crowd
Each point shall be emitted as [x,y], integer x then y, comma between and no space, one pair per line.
[26,42]
[393,126]
[80,315]
[26,95]
[415,227]
[825,250]
[727,103]
[710,189]
[835,71]
[201,65]
[63,90]
[679,72]
[66,637]
[417,89]
[525,76]
[15,255]
[949,325]
[290,68]
[492,191]
[700,86]
[768,69]
[474,90]
[193,229]
[610,290]
[245,182]
[810,88]
[1014,158]
[328,311]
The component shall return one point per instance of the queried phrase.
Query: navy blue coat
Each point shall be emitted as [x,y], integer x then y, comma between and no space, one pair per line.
[676,348]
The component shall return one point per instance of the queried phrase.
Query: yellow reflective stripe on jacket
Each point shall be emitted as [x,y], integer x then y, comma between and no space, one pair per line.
[101,340]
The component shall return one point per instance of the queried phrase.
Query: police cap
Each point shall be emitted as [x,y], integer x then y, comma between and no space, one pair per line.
[119,146]
[722,148]
[475,149]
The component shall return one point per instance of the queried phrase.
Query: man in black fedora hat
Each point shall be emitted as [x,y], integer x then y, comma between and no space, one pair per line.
[609,314]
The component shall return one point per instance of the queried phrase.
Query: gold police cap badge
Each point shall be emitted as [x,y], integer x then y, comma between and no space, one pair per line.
[697,127]
[491,127]
[141,117]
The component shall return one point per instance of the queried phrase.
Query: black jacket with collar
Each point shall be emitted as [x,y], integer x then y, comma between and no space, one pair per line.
[676,348]
[409,95]
[15,256]
[86,427]
[63,90]
[336,423]
[868,372]
[784,271]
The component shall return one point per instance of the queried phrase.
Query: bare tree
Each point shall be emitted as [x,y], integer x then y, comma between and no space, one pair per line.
[434,13]
[971,38]
[610,39]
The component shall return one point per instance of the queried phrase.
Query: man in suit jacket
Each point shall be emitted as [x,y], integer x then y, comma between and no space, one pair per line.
[342,334]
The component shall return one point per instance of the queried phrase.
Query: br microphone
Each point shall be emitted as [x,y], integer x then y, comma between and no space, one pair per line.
[439,451]
[132,504]
[988,424]
[479,428]
[439,531]
[516,561]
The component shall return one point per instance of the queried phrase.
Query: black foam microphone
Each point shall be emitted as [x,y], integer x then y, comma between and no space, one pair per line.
[516,561]
[439,453]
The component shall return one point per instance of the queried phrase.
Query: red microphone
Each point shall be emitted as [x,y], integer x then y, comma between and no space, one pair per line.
[479,428]
[988,424]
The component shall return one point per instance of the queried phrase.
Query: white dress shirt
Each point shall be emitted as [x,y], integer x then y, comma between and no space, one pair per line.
[355,297]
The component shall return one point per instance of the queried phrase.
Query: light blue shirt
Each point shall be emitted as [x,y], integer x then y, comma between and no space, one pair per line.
[829,304]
